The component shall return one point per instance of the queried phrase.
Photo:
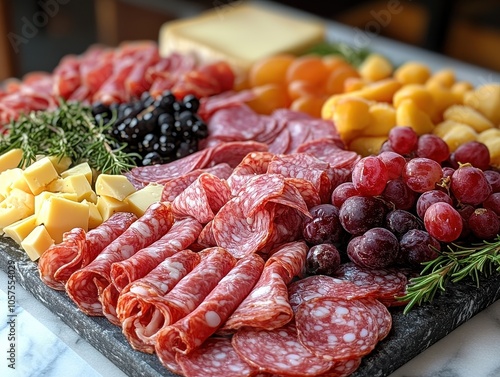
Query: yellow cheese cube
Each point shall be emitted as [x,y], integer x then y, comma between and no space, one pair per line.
[19,230]
[37,242]
[7,179]
[46,195]
[83,168]
[56,185]
[140,200]
[10,159]
[39,174]
[107,206]
[60,215]
[95,218]
[115,186]
[79,184]
[16,206]
[60,163]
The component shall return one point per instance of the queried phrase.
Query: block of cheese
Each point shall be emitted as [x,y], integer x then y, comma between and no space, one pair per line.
[10,159]
[108,206]
[95,218]
[37,242]
[79,184]
[60,163]
[19,230]
[114,186]
[16,206]
[240,34]
[140,200]
[39,174]
[83,168]
[60,215]
[11,178]
[46,195]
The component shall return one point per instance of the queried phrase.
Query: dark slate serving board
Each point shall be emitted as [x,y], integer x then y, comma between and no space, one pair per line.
[411,334]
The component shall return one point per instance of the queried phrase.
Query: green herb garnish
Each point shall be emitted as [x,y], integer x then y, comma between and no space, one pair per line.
[69,131]
[453,264]
[352,55]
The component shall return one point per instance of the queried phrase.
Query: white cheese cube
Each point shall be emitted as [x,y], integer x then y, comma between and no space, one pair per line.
[60,215]
[140,200]
[39,174]
[10,159]
[114,186]
[37,242]
[19,230]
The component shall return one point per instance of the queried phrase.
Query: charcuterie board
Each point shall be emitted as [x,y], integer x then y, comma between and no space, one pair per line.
[411,333]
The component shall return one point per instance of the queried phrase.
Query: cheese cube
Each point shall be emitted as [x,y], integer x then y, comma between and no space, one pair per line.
[16,206]
[10,159]
[19,230]
[60,163]
[37,242]
[83,168]
[140,200]
[95,218]
[46,195]
[39,174]
[114,186]
[60,215]
[107,206]
[7,178]
[56,185]
[79,184]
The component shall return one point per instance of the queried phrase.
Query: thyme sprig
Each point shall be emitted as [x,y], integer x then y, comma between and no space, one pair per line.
[454,264]
[68,131]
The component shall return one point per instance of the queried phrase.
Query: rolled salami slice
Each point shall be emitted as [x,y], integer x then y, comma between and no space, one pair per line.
[138,307]
[266,307]
[190,332]
[215,357]
[85,285]
[336,329]
[278,351]
[78,249]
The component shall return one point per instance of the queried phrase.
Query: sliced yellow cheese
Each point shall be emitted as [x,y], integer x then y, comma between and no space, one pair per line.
[10,159]
[16,206]
[37,242]
[240,34]
[95,218]
[60,215]
[107,206]
[79,185]
[19,230]
[140,200]
[39,174]
[83,168]
[114,186]
[46,195]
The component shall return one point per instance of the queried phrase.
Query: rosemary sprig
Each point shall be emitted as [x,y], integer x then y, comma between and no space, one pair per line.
[454,264]
[352,55]
[69,131]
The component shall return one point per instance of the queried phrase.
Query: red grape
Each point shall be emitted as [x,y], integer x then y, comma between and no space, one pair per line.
[448,171]
[403,139]
[474,153]
[342,192]
[443,222]
[494,178]
[360,213]
[369,176]
[324,226]
[322,259]
[469,185]
[484,223]
[394,163]
[400,222]
[433,147]
[398,193]
[376,248]
[422,174]
[493,202]
[430,197]
[418,246]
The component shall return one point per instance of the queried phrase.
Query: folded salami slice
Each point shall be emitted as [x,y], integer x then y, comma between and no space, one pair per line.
[266,307]
[202,199]
[292,257]
[215,357]
[85,285]
[78,249]
[253,164]
[278,351]
[336,329]
[206,237]
[187,334]
[137,307]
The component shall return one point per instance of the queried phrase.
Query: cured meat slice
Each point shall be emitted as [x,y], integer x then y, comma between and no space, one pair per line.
[139,304]
[206,237]
[173,187]
[306,190]
[215,357]
[232,153]
[210,105]
[316,286]
[236,123]
[188,333]
[336,329]
[78,249]
[266,307]
[343,368]
[254,163]
[202,199]
[381,314]
[179,237]
[292,257]
[389,283]
[278,351]
[85,285]
[281,143]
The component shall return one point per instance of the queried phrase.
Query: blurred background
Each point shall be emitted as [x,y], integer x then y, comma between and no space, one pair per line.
[36,34]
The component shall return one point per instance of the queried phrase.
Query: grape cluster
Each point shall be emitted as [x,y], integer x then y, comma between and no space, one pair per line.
[402,206]
[159,129]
